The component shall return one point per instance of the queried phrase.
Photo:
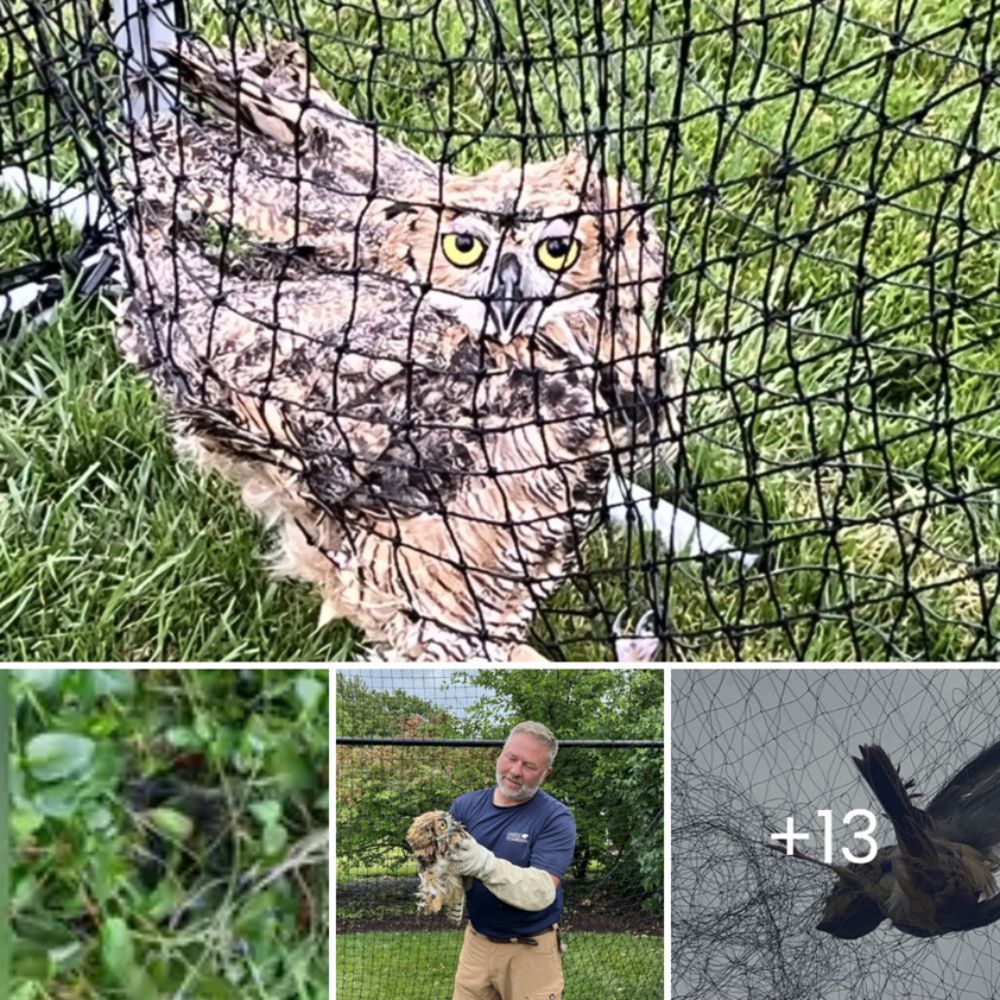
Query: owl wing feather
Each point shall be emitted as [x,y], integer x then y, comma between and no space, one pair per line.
[304,169]
[330,407]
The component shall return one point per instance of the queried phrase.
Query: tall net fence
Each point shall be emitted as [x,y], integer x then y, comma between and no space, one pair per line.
[753,748]
[537,326]
[420,754]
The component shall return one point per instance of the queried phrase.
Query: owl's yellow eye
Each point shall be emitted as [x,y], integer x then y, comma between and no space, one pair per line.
[557,253]
[442,824]
[463,249]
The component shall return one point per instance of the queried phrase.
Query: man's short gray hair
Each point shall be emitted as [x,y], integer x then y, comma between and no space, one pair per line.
[541,733]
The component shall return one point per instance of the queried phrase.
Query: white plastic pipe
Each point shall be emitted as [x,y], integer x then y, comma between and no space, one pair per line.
[140,26]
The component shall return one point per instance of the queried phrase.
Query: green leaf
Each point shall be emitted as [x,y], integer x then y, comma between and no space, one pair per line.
[24,822]
[99,818]
[25,892]
[172,824]
[293,770]
[53,756]
[117,949]
[183,737]
[118,956]
[163,900]
[31,961]
[274,839]
[266,811]
[60,800]
[309,691]
[117,682]
[40,680]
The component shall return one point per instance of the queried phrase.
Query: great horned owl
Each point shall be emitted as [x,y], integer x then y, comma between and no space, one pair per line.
[432,838]
[423,380]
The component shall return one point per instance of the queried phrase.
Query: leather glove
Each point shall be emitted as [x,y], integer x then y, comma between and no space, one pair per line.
[524,888]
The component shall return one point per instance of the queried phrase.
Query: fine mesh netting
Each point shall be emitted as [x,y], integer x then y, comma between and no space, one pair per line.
[532,328]
[751,748]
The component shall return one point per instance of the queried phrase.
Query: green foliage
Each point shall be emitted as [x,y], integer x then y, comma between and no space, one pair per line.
[577,704]
[123,890]
[381,788]
[363,711]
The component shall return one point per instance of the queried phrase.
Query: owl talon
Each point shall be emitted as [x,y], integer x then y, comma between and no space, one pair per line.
[642,645]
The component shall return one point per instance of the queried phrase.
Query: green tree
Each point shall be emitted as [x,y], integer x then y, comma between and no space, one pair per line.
[381,788]
[362,711]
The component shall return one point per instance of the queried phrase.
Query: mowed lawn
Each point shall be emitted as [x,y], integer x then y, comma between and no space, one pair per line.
[407,966]
[827,192]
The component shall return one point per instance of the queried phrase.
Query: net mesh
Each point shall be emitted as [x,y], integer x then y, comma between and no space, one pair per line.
[792,453]
[753,748]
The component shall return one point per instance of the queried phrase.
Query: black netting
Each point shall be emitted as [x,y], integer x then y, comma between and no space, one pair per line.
[729,358]
[613,892]
[751,748]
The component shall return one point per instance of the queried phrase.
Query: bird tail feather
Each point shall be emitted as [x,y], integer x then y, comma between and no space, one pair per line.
[909,822]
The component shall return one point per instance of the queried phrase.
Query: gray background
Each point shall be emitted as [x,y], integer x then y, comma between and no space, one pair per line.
[751,747]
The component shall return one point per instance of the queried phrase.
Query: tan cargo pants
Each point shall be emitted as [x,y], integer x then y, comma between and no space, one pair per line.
[490,971]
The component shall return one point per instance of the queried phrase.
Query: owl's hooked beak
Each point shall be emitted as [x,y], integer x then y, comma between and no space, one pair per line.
[506,305]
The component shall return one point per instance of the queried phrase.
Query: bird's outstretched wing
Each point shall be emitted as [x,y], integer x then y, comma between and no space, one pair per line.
[967,807]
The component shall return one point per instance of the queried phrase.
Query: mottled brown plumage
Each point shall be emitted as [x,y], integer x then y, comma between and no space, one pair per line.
[940,875]
[432,837]
[431,440]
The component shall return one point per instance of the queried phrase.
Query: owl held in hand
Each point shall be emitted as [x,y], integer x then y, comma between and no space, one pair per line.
[422,380]
[432,837]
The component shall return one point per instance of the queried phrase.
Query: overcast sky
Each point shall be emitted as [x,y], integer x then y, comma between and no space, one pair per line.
[429,683]
[766,744]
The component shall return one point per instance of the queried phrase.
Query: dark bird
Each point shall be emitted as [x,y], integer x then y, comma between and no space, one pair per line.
[940,875]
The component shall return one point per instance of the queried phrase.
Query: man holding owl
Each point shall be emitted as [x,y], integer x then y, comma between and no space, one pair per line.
[519,846]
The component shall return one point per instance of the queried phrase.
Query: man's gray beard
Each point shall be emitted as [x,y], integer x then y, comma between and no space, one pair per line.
[521,796]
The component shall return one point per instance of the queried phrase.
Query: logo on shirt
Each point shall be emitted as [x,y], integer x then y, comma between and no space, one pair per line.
[520,838]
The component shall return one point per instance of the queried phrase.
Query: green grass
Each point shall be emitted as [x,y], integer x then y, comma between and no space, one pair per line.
[401,966]
[853,437]
[109,548]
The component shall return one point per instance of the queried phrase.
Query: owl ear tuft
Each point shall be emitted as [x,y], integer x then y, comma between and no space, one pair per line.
[625,219]
[598,191]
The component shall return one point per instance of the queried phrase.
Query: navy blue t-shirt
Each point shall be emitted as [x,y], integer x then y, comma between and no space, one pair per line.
[539,833]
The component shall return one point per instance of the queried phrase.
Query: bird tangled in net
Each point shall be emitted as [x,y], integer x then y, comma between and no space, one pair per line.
[940,875]
[424,381]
